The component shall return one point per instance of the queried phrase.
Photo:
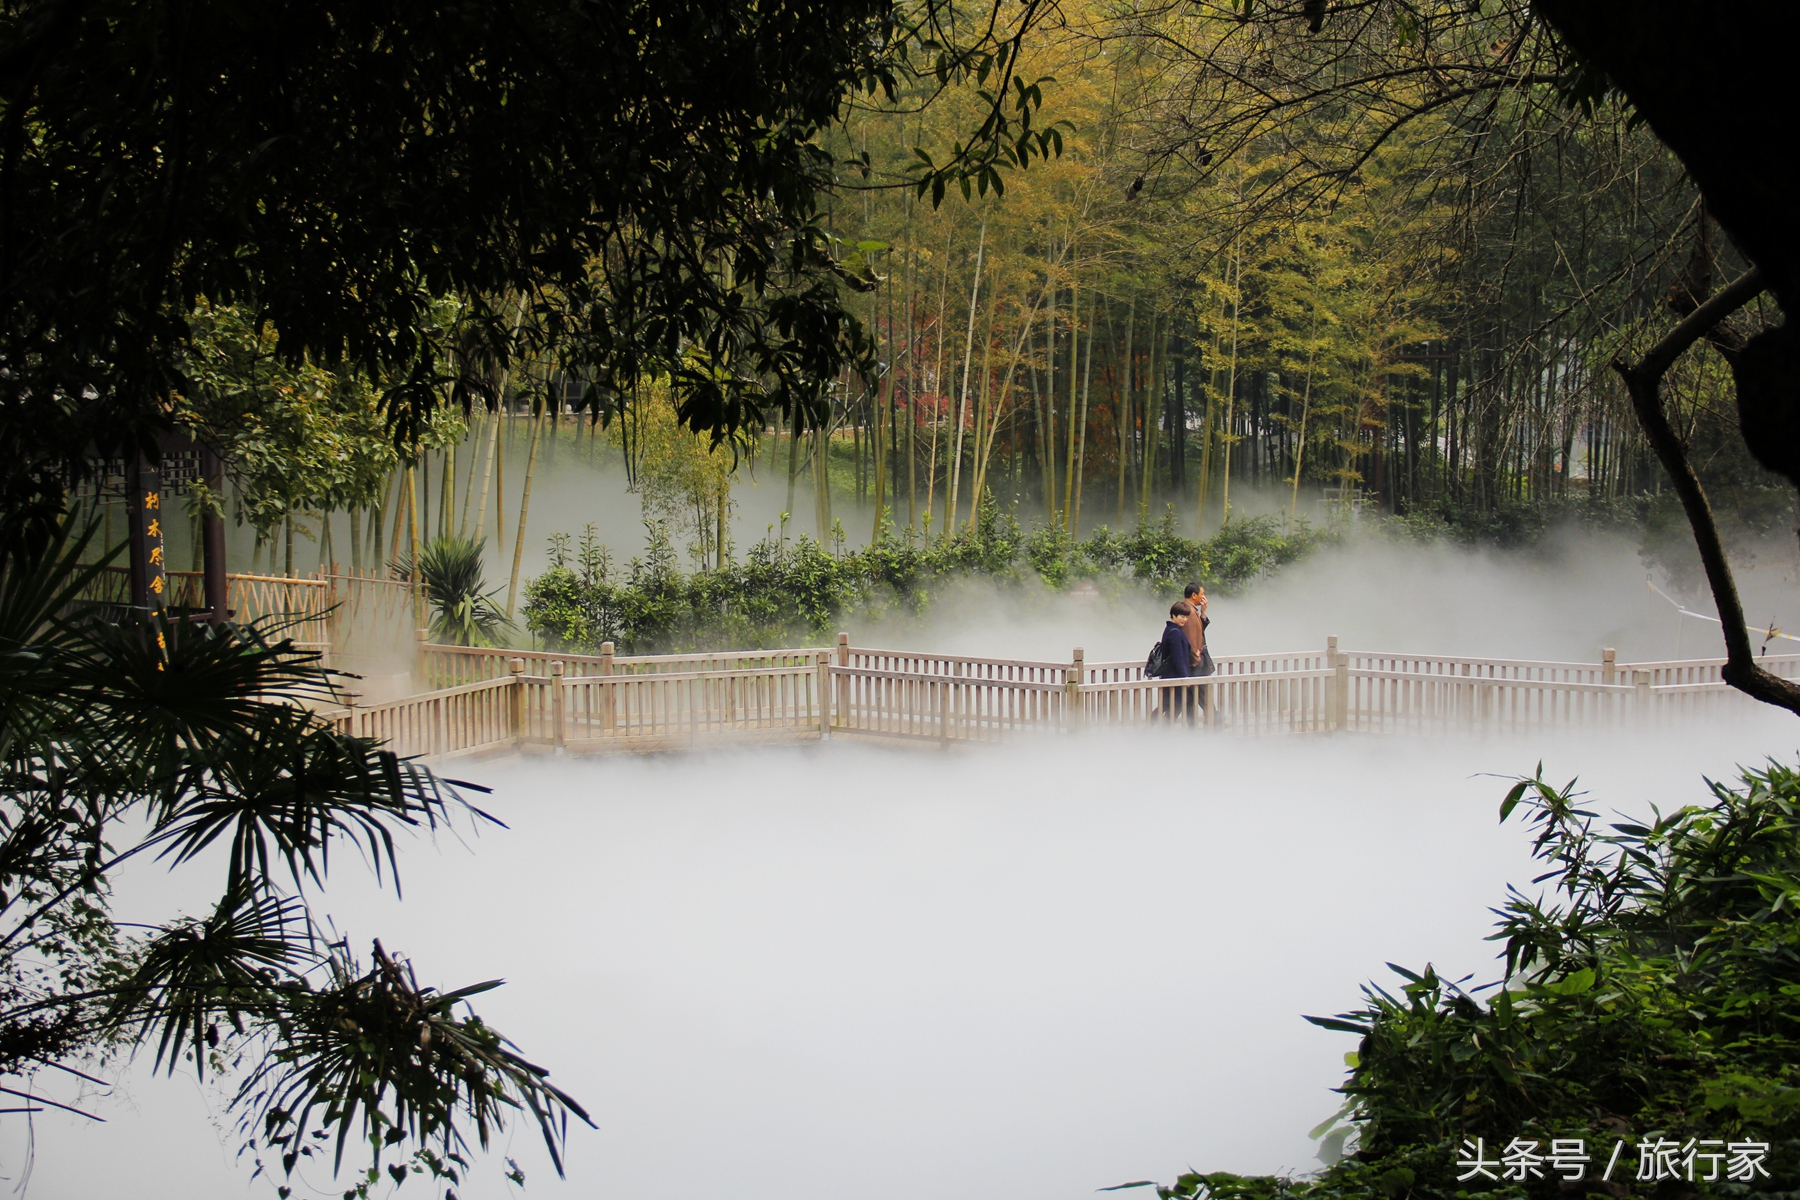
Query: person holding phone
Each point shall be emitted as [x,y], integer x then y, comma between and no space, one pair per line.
[1200,661]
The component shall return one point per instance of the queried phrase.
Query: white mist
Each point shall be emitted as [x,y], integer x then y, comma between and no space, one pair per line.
[1027,971]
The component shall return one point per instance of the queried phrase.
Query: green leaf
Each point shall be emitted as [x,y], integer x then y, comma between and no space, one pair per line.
[1513,796]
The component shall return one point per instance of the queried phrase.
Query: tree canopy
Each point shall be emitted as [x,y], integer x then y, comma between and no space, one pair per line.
[637,184]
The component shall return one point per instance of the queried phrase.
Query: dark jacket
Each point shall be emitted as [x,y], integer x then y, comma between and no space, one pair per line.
[1177,652]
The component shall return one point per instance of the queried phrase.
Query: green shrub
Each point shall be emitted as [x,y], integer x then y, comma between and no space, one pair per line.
[783,593]
[1655,996]
[462,613]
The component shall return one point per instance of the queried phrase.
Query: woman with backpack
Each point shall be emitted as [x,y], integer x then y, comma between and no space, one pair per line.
[1172,658]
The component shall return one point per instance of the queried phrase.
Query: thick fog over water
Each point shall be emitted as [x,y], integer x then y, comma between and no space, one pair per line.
[1017,972]
[1025,971]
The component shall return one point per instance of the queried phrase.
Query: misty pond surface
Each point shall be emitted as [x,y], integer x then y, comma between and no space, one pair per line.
[1026,972]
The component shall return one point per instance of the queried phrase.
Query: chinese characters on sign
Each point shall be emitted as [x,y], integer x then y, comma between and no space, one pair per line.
[149,577]
[1695,1160]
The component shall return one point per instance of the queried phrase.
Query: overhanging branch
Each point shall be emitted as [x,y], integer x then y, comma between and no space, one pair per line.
[1644,382]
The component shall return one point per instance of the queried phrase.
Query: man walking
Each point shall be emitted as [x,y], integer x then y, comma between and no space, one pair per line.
[1202,662]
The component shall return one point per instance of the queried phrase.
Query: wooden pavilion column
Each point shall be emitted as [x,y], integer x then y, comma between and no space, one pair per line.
[212,540]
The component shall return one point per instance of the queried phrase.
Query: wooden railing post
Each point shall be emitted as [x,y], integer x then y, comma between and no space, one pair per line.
[1072,719]
[843,684]
[1640,681]
[1609,665]
[1338,706]
[609,694]
[422,660]
[824,697]
[560,733]
[517,701]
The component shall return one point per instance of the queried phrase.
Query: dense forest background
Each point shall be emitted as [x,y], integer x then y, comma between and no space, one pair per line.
[1388,301]
[1395,307]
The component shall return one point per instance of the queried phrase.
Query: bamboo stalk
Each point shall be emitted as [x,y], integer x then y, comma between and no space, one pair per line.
[454,472]
[1155,408]
[487,476]
[912,393]
[448,468]
[1048,432]
[1087,383]
[962,412]
[512,587]
[937,381]
[999,407]
[883,389]
[793,457]
[413,524]
[1122,404]
[1312,347]
[1068,499]
[500,484]
[1237,308]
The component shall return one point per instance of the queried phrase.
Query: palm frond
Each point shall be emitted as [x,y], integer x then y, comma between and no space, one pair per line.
[378,1051]
[233,963]
[283,789]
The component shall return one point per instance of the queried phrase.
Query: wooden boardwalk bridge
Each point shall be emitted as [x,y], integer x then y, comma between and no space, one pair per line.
[494,701]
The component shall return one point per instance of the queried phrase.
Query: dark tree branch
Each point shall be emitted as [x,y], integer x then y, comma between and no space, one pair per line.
[1644,382]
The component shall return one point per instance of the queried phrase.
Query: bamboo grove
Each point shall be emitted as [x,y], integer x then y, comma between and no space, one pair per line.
[1132,327]
[1369,300]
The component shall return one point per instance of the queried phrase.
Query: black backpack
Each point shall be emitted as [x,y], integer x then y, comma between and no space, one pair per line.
[1159,659]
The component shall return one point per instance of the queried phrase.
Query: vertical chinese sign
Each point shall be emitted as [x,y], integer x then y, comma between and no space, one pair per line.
[143,510]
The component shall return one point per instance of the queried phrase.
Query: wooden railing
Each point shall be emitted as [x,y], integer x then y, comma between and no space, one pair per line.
[305,604]
[448,666]
[607,702]
[644,711]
